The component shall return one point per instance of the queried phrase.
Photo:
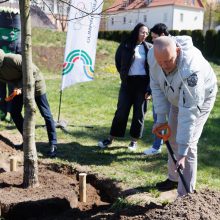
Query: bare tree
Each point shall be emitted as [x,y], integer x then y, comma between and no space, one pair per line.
[212,13]
[30,177]
[63,11]
[62,7]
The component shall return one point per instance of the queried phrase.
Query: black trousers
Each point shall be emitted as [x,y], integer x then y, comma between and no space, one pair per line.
[43,106]
[5,106]
[131,94]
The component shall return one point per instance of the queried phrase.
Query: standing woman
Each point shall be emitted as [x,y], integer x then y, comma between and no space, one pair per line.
[131,63]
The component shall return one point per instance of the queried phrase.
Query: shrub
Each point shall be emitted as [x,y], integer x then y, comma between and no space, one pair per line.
[149,38]
[125,35]
[198,39]
[217,47]
[209,46]
[174,32]
[185,32]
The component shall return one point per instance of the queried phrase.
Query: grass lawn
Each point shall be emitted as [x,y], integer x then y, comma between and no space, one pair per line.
[92,104]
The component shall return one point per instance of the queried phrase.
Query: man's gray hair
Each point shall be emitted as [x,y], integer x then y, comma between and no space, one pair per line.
[163,42]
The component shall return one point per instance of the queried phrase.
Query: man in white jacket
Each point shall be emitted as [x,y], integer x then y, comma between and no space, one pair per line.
[184,86]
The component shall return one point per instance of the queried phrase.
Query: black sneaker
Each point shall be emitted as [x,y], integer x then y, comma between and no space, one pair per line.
[105,143]
[53,151]
[2,115]
[166,185]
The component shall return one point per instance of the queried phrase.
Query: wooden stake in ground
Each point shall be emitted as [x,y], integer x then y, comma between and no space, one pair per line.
[82,187]
[13,164]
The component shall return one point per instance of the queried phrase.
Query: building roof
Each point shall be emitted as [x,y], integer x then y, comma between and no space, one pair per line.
[120,5]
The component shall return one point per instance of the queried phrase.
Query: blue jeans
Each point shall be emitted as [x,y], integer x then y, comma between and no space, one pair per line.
[43,106]
[157,141]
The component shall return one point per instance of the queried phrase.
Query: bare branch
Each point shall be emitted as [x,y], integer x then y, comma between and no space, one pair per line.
[3,1]
[92,13]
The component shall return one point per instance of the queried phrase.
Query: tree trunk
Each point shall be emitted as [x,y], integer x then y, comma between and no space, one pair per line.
[210,15]
[30,177]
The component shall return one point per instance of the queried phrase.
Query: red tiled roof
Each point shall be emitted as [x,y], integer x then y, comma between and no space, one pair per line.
[136,4]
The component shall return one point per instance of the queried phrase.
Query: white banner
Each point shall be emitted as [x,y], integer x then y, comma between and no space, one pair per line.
[82,34]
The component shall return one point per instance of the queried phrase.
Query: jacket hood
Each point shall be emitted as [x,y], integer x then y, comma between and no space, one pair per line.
[2,55]
[189,56]
[184,42]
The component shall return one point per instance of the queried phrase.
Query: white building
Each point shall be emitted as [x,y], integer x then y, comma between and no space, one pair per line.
[176,14]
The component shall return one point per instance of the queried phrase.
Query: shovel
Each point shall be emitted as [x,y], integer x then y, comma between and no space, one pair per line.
[165,138]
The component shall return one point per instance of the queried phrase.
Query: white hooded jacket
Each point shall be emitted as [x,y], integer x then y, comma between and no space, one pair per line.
[186,88]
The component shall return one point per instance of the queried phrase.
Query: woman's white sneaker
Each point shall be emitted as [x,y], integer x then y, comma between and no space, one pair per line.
[133,145]
[152,151]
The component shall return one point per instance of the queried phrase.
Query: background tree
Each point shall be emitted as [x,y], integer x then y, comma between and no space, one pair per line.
[212,13]
[63,12]
[108,4]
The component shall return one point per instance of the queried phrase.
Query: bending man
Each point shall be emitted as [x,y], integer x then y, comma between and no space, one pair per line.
[11,72]
[184,83]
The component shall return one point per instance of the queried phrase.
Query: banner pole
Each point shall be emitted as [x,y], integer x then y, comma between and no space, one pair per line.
[61,92]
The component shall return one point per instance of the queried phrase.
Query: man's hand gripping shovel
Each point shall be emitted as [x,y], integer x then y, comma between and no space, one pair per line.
[165,138]
[13,94]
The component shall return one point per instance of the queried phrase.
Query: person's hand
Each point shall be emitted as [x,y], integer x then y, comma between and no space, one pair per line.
[147,96]
[17,91]
[180,162]
[156,125]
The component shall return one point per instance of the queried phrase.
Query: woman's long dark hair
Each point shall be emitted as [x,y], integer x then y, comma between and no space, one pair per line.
[134,34]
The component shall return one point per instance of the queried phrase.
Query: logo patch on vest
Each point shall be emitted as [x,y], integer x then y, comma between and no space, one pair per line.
[192,80]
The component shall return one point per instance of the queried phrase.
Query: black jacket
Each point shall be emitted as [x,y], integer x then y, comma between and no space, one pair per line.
[124,58]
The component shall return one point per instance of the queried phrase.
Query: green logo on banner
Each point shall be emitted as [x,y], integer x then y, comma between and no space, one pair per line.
[75,56]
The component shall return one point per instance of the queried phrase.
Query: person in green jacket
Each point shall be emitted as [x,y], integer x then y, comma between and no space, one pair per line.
[11,72]
[10,42]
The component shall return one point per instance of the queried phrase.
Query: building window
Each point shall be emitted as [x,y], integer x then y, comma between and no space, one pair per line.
[124,20]
[145,18]
[125,3]
[113,21]
[165,17]
[181,17]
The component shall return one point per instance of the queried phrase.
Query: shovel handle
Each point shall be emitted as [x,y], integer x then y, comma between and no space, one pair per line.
[164,136]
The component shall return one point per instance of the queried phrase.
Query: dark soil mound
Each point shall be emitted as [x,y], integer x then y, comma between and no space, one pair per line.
[203,205]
